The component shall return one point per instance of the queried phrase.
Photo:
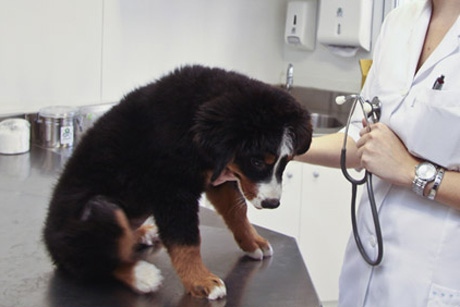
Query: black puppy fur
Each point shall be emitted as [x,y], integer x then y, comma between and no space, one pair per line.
[153,154]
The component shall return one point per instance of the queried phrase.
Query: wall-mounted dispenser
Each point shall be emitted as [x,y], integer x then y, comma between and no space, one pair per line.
[345,23]
[300,30]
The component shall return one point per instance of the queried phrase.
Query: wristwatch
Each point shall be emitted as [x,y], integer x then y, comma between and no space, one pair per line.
[424,172]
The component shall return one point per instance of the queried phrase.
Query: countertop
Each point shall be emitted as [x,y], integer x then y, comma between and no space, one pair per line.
[28,278]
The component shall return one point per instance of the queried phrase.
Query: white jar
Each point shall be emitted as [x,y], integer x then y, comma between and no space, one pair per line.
[14,136]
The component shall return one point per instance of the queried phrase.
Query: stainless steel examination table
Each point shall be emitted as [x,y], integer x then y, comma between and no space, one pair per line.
[28,278]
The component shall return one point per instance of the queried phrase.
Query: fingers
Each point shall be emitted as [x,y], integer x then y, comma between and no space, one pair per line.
[364,122]
[372,137]
[368,128]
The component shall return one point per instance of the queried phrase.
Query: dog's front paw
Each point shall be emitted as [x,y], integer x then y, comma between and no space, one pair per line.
[218,291]
[211,287]
[255,246]
[261,252]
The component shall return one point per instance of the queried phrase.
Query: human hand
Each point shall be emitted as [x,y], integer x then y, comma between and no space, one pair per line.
[382,153]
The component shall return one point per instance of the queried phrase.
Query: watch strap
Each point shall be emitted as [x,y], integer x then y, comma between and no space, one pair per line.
[436,184]
[418,186]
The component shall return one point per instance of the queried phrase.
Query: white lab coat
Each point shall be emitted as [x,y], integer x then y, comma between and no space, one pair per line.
[421,263]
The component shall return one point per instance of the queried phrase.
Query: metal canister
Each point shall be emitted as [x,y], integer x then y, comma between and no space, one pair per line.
[56,126]
[88,115]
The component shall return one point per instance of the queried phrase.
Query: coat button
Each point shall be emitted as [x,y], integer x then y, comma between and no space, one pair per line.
[404,92]
[373,241]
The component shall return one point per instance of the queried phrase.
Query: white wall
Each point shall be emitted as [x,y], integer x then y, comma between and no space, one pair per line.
[144,39]
[50,53]
[79,52]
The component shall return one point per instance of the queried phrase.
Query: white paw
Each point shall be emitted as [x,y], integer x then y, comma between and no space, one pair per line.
[147,278]
[260,254]
[268,251]
[151,236]
[218,292]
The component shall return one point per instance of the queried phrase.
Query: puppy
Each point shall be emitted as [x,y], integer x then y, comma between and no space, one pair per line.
[195,130]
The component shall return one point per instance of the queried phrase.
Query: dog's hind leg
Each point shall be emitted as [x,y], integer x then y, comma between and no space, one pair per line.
[139,275]
[229,203]
[97,244]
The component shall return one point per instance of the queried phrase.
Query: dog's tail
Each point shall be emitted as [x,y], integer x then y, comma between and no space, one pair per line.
[92,245]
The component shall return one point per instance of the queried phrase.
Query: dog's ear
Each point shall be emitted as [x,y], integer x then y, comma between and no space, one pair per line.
[302,132]
[214,134]
[220,166]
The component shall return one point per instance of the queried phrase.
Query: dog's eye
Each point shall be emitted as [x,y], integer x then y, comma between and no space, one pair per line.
[257,163]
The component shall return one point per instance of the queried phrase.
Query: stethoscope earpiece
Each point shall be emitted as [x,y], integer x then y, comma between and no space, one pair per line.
[340,100]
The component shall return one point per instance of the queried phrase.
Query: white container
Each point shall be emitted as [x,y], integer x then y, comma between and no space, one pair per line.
[345,23]
[56,126]
[14,136]
[300,28]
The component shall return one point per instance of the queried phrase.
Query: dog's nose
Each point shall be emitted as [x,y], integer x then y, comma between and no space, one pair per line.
[270,203]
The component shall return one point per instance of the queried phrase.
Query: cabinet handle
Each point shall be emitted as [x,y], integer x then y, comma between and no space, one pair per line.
[315,174]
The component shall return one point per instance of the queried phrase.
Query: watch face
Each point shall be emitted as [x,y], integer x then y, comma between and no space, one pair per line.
[426,171]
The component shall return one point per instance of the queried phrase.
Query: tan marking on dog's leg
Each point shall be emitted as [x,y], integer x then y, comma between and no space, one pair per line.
[196,278]
[141,276]
[229,203]
[127,240]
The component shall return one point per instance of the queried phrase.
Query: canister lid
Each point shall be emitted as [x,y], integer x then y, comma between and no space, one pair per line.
[96,109]
[58,112]
[14,124]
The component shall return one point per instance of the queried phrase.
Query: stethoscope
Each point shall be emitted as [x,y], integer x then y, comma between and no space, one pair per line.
[371,110]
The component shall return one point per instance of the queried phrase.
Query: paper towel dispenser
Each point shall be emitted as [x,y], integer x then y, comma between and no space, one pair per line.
[300,29]
[345,23]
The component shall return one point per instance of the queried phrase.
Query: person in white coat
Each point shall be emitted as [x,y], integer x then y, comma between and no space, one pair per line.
[419,211]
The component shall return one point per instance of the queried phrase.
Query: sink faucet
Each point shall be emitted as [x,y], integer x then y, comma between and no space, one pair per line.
[289,77]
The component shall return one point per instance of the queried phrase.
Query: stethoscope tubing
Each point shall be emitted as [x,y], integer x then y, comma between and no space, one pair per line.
[370,191]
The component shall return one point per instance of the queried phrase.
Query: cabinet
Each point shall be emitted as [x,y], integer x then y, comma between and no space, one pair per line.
[325,226]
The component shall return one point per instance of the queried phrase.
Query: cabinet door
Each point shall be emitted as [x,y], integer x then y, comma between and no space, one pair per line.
[286,218]
[325,226]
